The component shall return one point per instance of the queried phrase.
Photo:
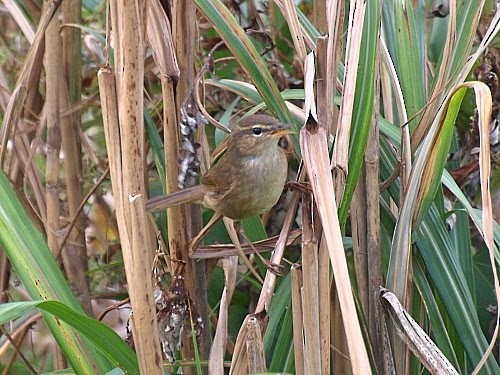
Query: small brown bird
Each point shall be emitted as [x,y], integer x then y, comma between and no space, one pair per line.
[247,180]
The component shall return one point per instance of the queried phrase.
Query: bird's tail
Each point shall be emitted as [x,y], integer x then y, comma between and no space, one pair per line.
[193,194]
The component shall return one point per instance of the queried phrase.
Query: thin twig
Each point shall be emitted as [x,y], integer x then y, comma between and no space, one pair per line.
[17,350]
[80,208]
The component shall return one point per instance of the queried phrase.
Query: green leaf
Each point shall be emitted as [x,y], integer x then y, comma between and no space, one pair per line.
[435,247]
[13,310]
[364,103]
[254,228]
[156,147]
[38,271]
[438,155]
[278,338]
[104,338]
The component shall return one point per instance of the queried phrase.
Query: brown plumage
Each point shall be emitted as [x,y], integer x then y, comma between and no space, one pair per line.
[247,180]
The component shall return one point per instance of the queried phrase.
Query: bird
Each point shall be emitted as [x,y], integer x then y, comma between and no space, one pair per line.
[249,177]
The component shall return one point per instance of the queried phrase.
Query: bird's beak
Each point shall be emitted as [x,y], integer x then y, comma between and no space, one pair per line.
[283,129]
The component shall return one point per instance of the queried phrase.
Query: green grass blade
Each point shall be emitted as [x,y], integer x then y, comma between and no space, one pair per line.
[156,147]
[421,190]
[38,271]
[278,337]
[435,248]
[364,102]
[406,48]
[103,337]
[438,155]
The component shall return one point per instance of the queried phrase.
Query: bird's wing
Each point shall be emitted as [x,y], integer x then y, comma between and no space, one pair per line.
[219,179]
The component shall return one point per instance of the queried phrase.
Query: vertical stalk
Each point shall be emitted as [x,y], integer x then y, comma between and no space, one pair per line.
[373,249]
[298,333]
[185,222]
[52,108]
[123,102]
[319,16]
[53,141]
[75,249]
[325,109]
[310,296]
[359,215]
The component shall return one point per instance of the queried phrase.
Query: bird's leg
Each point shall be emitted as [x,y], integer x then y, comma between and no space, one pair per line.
[304,187]
[229,223]
[193,244]
[272,267]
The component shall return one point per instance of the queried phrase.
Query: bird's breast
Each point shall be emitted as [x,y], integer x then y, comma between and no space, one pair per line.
[256,186]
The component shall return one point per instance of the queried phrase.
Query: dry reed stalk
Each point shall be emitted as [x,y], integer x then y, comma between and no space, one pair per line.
[324,288]
[326,110]
[185,222]
[240,360]
[53,142]
[109,109]
[414,336]
[310,43]
[70,90]
[340,348]
[226,250]
[72,50]
[484,104]
[365,223]
[130,97]
[373,235]
[336,16]
[160,40]
[329,53]
[255,347]
[125,105]
[297,319]
[324,97]
[320,16]
[313,142]
[310,296]
[138,269]
[290,14]
[74,253]
[113,25]
[21,19]
[218,350]
[179,224]
[314,151]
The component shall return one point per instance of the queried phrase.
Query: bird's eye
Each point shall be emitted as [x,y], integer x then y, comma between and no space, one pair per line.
[257,131]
